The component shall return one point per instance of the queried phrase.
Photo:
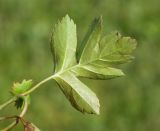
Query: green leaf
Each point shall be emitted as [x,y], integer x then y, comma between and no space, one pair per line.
[95,58]
[89,48]
[79,95]
[115,49]
[19,88]
[112,49]
[97,72]
[20,101]
[64,44]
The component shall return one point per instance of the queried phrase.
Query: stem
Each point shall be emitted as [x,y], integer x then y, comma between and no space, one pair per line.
[27,92]
[45,80]
[11,126]
[14,123]
[7,117]
[24,108]
[7,103]
[37,85]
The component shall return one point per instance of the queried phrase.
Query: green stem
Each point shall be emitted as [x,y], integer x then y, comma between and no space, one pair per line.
[27,92]
[14,123]
[23,112]
[45,80]
[7,103]
[7,117]
[37,85]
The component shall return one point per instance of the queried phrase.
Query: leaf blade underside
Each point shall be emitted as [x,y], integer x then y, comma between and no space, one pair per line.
[116,49]
[64,44]
[90,42]
[97,72]
[95,58]
[79,95]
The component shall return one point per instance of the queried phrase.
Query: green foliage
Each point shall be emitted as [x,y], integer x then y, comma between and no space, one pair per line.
[64,46]
[19,88]
[130,103]
[79,95]
[95,59]
[97,72]
[90,42]
[20,101]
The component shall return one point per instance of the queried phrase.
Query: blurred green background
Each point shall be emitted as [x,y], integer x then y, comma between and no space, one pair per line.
[131,103]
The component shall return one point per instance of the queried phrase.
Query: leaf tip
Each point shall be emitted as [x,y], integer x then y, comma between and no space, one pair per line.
[97,111]
[122,73]
[99,21]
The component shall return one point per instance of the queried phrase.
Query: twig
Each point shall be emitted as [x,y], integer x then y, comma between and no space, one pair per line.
[7,103]
[14,123]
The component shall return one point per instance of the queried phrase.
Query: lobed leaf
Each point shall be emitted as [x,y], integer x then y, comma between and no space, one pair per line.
[91,38]
[89,48]
[95,58]
[64,44]
[97,72]
[79,95]
[116,49]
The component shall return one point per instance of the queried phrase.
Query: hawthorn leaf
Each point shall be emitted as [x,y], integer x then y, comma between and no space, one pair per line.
[64,44]
[112,49]
[115,49]
[89,48]
[79,95]
[109,39]
[97,72]
[95,58]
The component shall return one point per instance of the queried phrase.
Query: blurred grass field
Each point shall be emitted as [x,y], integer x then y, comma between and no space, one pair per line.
[131,103]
